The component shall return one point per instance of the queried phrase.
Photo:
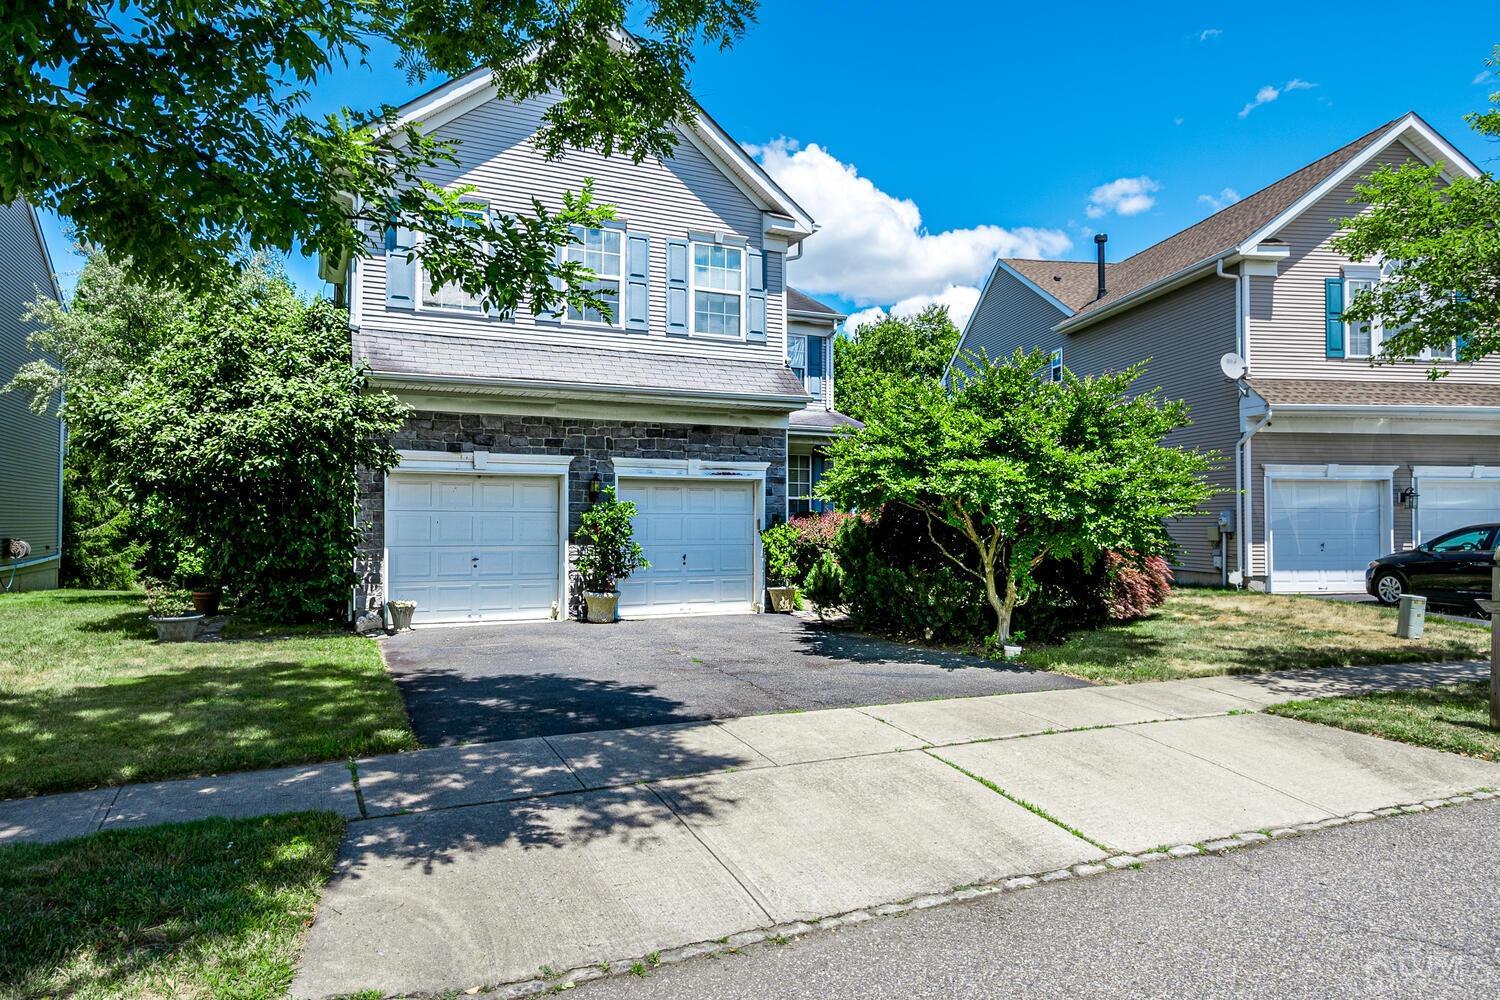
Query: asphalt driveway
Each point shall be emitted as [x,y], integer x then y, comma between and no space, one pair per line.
[502,682]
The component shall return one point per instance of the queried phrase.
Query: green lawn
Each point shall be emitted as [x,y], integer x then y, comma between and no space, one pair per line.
[215,908]
[1202,632]
[1450,717]
[89,697]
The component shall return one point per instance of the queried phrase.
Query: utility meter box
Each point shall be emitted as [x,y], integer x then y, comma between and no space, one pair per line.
[1411,617]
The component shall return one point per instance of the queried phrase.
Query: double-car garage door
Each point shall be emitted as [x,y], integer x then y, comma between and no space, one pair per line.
[471,548]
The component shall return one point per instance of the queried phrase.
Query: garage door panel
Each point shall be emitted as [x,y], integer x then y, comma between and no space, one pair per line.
[1323,533]
[1444,505]
[700,540]
[474,548]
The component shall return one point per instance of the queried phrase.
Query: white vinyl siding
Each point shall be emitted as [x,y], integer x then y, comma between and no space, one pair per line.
[664,199]
[602,250]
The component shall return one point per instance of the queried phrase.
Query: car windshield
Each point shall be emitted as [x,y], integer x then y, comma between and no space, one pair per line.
[1463,540]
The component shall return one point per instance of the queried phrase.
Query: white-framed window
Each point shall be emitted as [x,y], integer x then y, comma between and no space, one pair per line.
[796,356]
[1363,340]
[718,290]
[1054,366]
[451,296]
[799,483]
[602,250]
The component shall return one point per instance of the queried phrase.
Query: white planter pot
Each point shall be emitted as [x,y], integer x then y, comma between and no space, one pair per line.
[400,612]
[783,598]
[183,629]
[602,608]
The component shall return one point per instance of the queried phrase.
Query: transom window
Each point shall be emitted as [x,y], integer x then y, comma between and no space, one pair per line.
[718,290]
[601,250]
[1363,340]
[452,296]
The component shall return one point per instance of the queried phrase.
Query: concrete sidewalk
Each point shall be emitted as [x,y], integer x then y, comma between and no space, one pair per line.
[448,777]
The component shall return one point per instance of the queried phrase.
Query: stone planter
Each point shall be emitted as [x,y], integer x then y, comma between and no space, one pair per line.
[602,608]
[783,599]
[176,629]
[400,612]
[206,602]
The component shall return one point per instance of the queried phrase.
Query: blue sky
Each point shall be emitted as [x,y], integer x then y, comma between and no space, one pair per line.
[928,145]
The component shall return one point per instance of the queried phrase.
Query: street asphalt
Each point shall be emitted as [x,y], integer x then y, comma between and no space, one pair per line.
[1403,906]
[503,682]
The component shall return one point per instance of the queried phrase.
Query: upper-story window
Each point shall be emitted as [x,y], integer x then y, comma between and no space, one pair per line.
[602,250]
[1363,340]
[805,357]
[1054,366]
[718,290]
[452,296]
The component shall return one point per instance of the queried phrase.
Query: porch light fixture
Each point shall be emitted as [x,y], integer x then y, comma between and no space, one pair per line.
[1409,497]
[594,487]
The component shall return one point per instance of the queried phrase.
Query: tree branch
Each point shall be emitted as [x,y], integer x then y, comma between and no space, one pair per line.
[940,547]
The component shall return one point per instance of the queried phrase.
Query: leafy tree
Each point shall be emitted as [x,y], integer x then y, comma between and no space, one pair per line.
[229,425]
[916,347]
[175,133]
[1443,287]
[1023,468]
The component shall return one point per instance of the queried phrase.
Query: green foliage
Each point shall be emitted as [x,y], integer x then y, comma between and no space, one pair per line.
[824,586]
[610,552]
[816,534]
[1445,290]
[178,135]
[902,348]
[230,425]
[163,601]
[100,549]
[1022,469]
[780,544]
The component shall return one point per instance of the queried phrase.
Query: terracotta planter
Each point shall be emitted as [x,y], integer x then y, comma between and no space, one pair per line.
[179,629]
[602,608]
[206,602]
[400,612]
[783,599]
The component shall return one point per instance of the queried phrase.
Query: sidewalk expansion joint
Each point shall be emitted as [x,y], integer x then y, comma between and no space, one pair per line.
[1028,806]
[359,795]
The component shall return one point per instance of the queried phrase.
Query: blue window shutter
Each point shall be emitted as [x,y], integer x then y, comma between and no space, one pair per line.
[400,268]
[817,474]
[755,296]
[1333,316]
[815,348]
[554,318]
[637,282]
[677,288]
[1462,340]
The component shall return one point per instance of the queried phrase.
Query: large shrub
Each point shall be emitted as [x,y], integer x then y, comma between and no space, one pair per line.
[100,547]
[813,537]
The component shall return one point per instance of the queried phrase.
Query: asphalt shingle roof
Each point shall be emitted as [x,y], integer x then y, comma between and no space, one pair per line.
[816,418]
[439,355]
[1369,392]
[797,301]
[1072,282]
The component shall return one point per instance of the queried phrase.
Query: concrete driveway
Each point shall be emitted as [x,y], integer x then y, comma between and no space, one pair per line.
[504,682]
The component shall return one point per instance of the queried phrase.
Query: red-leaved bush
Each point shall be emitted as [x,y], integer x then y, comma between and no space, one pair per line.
[1135,585]
[815,536]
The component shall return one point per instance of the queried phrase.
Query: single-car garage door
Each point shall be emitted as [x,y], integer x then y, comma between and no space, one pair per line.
[1323,534]
[700,540]
[471,547]
[1446,504]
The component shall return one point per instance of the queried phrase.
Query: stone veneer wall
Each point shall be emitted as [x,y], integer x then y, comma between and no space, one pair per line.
[592,442]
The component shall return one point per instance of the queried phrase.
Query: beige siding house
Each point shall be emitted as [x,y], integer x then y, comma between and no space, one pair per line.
[31,444]
[1327,460]
[683,400]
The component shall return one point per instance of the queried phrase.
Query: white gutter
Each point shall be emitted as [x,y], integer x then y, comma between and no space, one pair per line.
[1245,500]
[558,387]
[1454,411]
[1241,334]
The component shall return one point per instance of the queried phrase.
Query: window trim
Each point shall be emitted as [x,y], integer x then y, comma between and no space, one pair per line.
[618,278]
[692,288]
[791,494]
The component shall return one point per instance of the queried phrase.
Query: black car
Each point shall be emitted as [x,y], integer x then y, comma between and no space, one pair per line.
[1452,569]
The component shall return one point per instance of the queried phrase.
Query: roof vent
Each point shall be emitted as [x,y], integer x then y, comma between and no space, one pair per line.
[1099,240]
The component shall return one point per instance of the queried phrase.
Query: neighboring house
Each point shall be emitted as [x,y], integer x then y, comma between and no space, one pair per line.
[811,327]
[1328,459]
[31,445]
[681,401]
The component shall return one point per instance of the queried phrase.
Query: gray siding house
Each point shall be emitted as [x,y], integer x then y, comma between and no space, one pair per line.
[1327,460]
[811,328]
[683,401]
[31,445]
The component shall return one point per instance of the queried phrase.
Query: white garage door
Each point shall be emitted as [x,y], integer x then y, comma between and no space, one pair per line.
[1446,504]
[700,539]
[472,548]
[1323,533]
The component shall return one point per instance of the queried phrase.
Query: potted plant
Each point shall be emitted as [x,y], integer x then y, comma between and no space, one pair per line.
[780,543]
[193,568]
[170,609]
[400,612]
[608,554]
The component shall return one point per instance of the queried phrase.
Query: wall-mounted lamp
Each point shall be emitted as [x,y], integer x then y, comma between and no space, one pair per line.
[594,487]
[1409,497]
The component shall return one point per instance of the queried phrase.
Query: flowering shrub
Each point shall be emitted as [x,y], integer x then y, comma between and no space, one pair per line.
[815,535]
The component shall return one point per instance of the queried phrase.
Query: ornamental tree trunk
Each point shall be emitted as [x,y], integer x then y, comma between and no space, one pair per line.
[1003,604]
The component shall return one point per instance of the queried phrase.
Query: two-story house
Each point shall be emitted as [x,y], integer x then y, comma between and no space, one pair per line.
[1328,460]
[681,399]
[811,328]
[31,444]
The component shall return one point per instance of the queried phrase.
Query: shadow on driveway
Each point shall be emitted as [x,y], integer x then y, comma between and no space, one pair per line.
[501,682]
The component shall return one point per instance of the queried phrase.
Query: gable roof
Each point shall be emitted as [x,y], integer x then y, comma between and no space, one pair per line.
[798,301]
[1238,227]
[457,97]
[1074,283]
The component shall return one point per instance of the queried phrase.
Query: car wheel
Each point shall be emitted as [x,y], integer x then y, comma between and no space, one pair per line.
[1389,588]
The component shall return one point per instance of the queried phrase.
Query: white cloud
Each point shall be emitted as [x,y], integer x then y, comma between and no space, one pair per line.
[1208,33]
[1224,198]
[1480,77]
[1123,196]
[1268,93]
[872,248]
[960,300]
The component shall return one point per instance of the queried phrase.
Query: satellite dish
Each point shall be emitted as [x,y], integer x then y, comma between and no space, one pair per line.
[1233,366]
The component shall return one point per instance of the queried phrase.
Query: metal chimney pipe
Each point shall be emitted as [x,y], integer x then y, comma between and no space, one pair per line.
[1099,240]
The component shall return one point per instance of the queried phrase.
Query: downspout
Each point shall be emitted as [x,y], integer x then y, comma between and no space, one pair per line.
[1242,489]
[1241,447]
